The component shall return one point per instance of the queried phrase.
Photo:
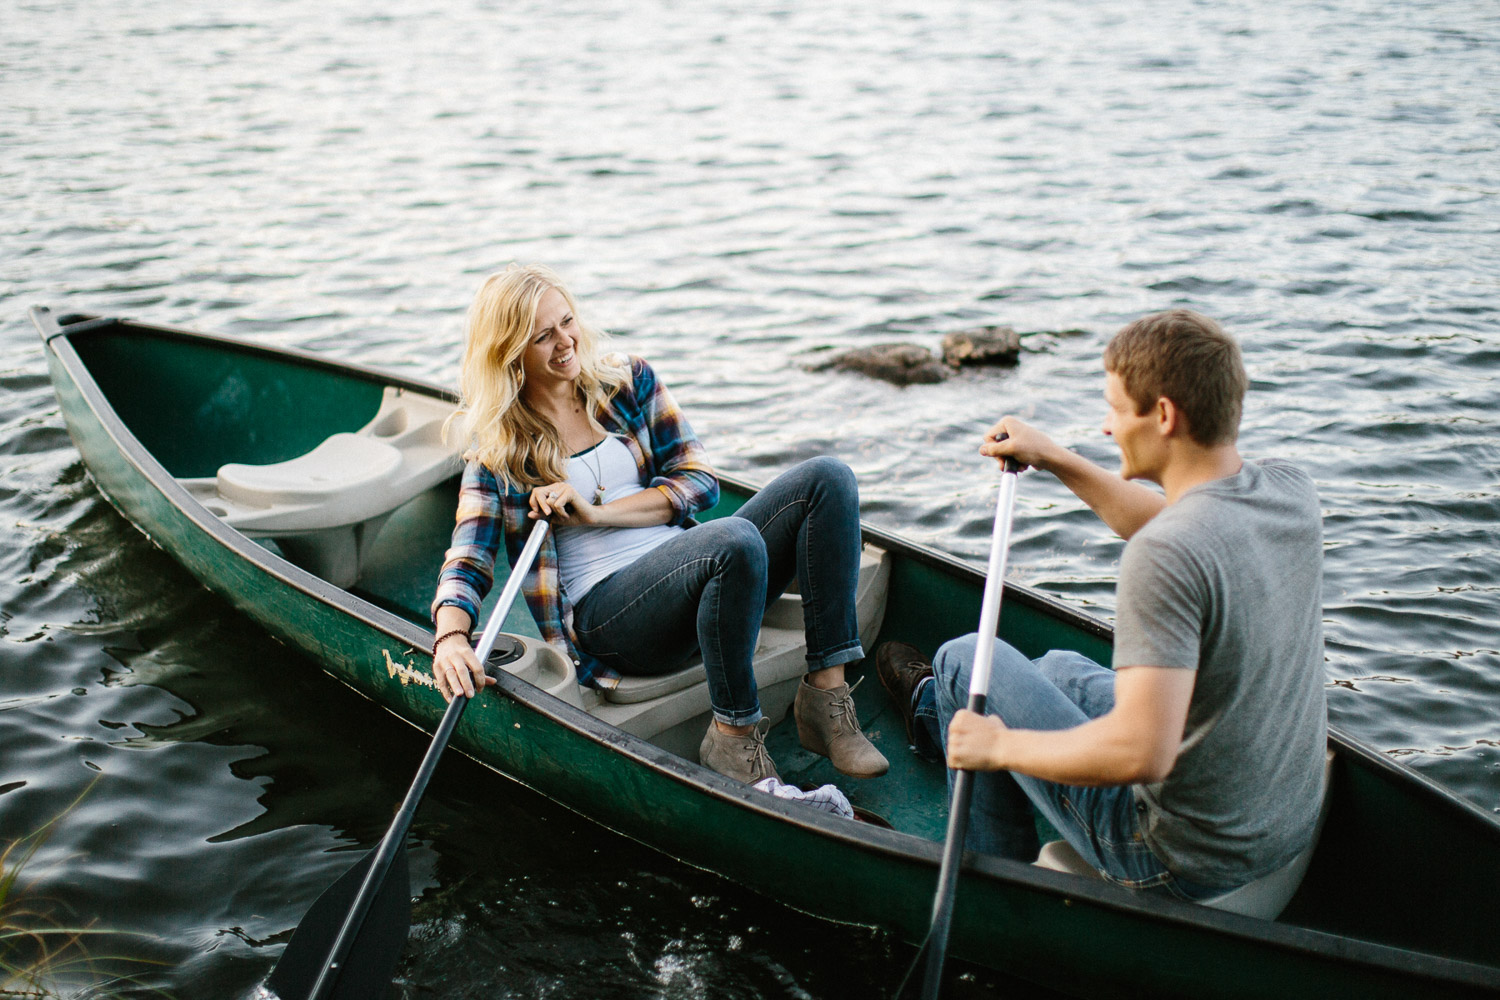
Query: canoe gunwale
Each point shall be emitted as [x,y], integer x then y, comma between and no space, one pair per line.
[904,847]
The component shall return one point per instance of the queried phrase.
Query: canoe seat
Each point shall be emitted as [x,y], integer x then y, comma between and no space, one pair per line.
[651,706]
[336,476]
[1265,898]
[323,509]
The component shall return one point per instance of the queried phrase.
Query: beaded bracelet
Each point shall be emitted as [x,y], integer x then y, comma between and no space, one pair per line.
[445,636]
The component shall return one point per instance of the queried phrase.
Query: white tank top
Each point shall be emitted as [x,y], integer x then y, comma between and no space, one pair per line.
[586,555]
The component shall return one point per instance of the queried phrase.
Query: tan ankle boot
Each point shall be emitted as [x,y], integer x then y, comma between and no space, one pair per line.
[743,758]
[826,724]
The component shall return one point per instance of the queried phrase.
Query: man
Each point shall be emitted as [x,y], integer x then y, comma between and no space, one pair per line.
[1195,765]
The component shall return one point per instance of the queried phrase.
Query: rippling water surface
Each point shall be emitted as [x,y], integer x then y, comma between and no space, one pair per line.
[734,190]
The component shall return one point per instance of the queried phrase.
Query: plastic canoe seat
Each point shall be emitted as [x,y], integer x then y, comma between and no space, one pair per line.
[323,508]
[1265,898]
[346,479]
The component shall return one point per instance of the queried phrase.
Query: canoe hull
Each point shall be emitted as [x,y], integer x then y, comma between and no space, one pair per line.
[1088,939]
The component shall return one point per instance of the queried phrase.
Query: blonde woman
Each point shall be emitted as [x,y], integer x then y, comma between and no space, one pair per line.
[627,583]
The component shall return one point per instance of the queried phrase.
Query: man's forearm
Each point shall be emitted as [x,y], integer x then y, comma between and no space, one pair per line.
[1136,741]
[1121,504]
[1099,752]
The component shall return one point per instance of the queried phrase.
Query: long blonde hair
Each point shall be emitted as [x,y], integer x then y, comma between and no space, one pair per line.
[522,449]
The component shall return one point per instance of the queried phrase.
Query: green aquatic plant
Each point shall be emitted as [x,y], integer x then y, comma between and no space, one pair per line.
[40,953]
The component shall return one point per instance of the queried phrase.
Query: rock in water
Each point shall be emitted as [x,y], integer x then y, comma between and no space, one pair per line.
[901,364]
[985,345]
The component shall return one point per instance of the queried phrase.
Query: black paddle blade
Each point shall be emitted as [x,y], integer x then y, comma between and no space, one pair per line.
[367,971]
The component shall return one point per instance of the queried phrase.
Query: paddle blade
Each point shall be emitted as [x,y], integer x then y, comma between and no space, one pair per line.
[372,958]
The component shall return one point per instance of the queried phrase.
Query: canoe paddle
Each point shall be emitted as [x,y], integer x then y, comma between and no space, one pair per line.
[347,945]
[936,944]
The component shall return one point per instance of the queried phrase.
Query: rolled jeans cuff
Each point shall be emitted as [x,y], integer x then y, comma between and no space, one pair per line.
[836,657]
[749,718]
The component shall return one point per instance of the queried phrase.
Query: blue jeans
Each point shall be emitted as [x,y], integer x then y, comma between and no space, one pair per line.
[1059,690]
[706,590]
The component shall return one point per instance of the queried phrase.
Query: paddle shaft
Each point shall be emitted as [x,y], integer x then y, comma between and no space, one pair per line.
[963,781]
[393,841]
[395,838]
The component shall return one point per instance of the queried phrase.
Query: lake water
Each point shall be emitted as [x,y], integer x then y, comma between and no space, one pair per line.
[733,190]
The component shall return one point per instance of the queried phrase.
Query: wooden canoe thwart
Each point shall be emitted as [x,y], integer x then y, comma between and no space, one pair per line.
[205,444]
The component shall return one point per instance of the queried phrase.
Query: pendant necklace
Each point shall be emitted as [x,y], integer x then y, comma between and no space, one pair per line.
[598,472]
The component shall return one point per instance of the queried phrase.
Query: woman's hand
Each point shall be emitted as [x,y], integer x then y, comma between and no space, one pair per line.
[456,668]
[974,741]
[561,504]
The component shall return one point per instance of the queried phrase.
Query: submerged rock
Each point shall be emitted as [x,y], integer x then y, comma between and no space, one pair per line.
[985,345]
[900,364]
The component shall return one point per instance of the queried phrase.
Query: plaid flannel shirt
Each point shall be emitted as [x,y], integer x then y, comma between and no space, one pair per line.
[668,456]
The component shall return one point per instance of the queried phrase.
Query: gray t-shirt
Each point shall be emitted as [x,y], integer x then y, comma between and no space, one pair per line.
[1228,581]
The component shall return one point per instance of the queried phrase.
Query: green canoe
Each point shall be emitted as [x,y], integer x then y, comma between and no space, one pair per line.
[317,498]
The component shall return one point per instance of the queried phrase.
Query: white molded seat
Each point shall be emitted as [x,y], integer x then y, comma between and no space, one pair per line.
[334,483]
[1265,898]
[324,508]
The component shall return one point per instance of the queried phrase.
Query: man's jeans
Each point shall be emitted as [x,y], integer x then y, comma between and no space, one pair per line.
[1060,690]
[707,588]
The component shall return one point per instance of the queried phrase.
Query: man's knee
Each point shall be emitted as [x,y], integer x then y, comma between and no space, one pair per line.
[950,671]
[1087,684]
[954,665]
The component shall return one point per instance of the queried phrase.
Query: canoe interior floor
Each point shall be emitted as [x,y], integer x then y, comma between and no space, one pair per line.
[912,796]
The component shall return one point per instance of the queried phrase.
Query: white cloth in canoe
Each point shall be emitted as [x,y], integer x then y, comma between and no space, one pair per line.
[826,797]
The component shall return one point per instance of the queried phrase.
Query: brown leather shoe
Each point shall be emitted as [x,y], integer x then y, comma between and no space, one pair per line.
[901,667]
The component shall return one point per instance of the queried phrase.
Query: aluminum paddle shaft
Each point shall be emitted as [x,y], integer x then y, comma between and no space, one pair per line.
[963,781]
[512,588]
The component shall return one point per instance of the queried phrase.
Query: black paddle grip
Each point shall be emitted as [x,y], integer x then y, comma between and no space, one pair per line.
[1008,464]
